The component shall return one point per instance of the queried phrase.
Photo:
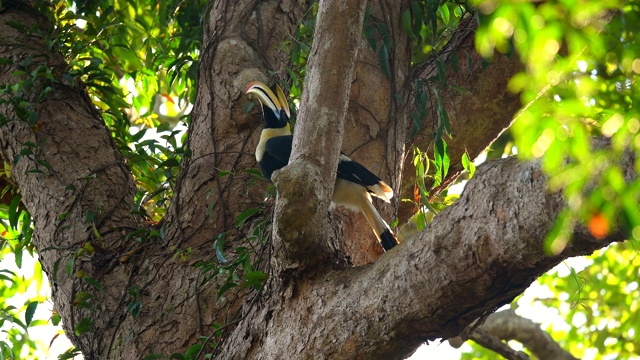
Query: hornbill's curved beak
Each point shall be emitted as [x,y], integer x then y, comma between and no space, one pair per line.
[269,98]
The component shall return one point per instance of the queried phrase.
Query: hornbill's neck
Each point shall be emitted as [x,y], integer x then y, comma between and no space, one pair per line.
[276,114]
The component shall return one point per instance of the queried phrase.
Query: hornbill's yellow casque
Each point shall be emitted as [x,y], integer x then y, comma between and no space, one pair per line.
[354,183]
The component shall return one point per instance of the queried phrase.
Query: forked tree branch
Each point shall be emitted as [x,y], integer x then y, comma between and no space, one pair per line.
[507,325]
[304,186]
[475,256]
[493,343]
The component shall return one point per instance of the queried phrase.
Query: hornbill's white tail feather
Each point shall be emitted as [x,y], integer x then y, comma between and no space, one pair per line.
[357,198]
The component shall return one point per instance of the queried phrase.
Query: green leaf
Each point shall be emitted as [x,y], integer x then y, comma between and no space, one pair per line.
[383,56]
[138,235]
[193,351]
[10,277]
[468,165]
[386,38]
[81,299]
[367,13]
[421,220]
[96,233]
[16,25]
[14,213]
[255,279]
[83,327]
[69,354]
[418,14]
[370,35]
[68,267]
[5,348]
[441,161]
[243,216]
[459,89]
[406,24]
[171,162]
[134,308]
[17,253]
[33,118]
[55,319]
[93,282]
[31,309]
[56,266]
[90,216]
[224,288]
[295,59]
[218,245]
[444,13]
[444,126]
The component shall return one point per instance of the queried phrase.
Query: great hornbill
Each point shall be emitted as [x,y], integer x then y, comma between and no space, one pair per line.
[354,183]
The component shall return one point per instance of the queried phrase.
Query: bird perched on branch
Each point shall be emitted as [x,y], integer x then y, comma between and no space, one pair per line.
[354,183]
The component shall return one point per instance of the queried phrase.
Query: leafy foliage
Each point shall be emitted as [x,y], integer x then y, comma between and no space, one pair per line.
[430,24]
[580,83]
[16,311]
[599,303]
[138,61]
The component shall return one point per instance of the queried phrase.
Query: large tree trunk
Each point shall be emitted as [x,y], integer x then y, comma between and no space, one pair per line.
[475,256]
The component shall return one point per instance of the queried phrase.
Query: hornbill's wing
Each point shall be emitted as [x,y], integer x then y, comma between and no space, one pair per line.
[279,148]
[354,172]
[276,155]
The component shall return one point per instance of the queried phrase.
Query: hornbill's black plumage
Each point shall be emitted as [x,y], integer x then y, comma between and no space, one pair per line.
[354,183]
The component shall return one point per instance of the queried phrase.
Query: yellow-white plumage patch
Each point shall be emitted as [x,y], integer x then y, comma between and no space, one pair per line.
[267,134]
[381,190]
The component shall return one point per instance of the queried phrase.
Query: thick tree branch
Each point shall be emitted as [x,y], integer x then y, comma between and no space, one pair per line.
[305,186]
[476,256]
[507,325]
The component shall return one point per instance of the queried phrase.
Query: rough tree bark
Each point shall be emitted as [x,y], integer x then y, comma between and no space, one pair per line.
[474,257]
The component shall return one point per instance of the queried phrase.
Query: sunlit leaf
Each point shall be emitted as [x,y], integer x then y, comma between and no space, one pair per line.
[28,314]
